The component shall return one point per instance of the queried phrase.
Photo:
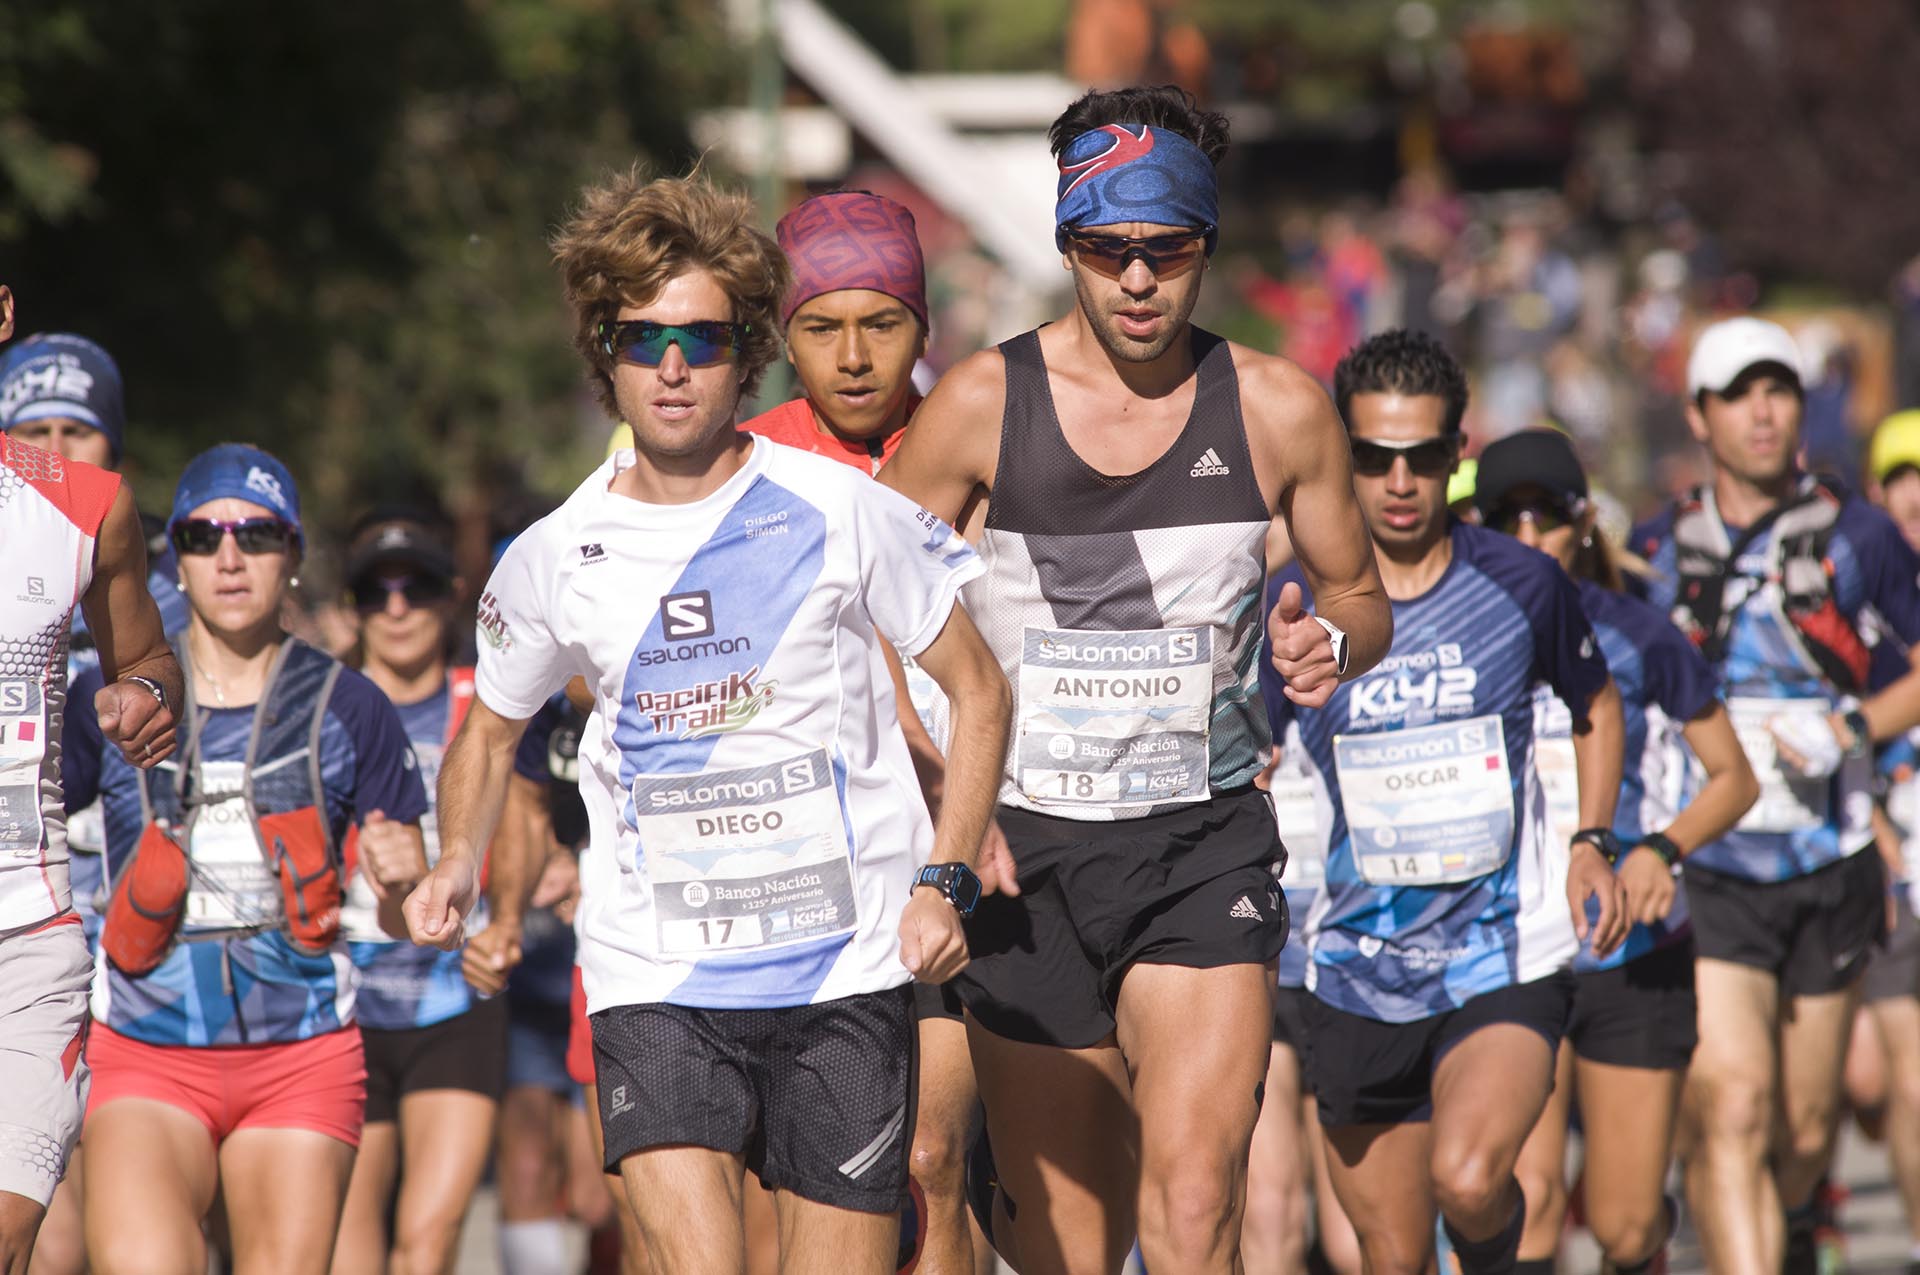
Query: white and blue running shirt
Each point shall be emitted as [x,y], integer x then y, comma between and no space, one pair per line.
[755,820]
[1441,883]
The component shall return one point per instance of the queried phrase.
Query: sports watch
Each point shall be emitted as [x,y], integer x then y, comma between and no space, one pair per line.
[956,884]
[1338,636]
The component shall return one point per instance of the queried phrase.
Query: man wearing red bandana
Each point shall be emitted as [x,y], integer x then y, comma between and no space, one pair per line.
[856,323]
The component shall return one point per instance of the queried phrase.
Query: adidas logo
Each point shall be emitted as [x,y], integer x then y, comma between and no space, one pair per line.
[1244,908]
[1208,466]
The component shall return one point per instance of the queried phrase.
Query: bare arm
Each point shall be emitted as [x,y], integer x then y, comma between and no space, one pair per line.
[947,456]
[1599,758]
[959,661]
[473,792]
[126,628]
[1730,790]
[928,763]
[932,943]
[1301,448]
[515,858]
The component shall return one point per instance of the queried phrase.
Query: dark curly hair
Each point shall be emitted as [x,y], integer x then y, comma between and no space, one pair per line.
[1165,106]
[1399,361]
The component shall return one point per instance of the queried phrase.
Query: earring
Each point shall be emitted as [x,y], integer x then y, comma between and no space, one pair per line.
[179,586]
[293,582]
[1586,541]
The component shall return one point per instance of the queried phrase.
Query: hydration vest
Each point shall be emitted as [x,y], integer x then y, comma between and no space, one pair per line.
[1797,586]
[284,806]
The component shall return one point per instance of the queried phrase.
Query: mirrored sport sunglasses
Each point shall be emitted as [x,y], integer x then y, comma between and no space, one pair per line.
[644,343]
[1545,515]
[1165,255]
[1427,458]
[372,592]
[202,536]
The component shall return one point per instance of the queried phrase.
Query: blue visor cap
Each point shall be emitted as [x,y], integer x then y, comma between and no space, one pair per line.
[240,471]
[1119,173]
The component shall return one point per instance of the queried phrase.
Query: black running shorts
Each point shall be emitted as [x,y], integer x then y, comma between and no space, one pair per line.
[1641,1014]
[467,1052]
[817,1098]
[1813,933]
[1289,1018]
[1894,970]
[1197,887]
[1363,1071]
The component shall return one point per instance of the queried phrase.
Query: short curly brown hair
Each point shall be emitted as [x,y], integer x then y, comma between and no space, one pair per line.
[629,236]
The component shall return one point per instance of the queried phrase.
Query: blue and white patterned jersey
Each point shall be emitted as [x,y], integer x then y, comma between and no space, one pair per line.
[1441,883]
[258,988]
[1798,825]
[1664,683]
[755,817]
[401,984]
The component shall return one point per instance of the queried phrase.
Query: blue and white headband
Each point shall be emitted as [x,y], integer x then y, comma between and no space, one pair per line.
[1120,173]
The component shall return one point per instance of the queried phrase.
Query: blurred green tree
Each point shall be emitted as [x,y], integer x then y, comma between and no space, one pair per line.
[323,228]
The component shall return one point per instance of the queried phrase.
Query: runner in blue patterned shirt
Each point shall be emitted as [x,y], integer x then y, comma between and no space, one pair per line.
[1440,946]
[1632,1031]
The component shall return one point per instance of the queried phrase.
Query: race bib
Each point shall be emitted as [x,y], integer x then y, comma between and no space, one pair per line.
[1788,801]
[232,886]
[1111,718]
[1298,819]
[746,858]
[23,747]
[1432,805]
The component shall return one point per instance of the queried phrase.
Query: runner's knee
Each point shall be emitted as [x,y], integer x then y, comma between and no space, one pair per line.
[1188,1207]
[425,1245]
[1469,1182]
[1627,1239]
[1732,1106]
[938,1161]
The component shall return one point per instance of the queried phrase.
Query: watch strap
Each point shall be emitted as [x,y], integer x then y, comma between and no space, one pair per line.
[1338,636]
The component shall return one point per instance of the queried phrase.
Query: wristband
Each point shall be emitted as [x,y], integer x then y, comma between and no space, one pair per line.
[1601,839]
[148,685]
[1661,844]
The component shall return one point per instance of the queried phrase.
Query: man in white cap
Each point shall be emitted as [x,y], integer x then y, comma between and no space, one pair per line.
[1785,581]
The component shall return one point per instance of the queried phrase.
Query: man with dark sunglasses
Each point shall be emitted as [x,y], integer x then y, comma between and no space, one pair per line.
[1119,471]
[757,891]
[1440,946]
[1783,580]
[73,542]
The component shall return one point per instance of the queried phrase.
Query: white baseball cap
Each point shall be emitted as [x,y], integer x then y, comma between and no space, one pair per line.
[1727,348]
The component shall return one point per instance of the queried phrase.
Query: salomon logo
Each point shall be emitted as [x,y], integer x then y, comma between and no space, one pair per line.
[592,553]
[684,616]
[1208,465]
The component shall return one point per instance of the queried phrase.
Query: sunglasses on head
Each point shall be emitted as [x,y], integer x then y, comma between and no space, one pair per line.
[1428,458]
[644,343]
[372,592]
[1544,513]
[202,536]
[1165,255]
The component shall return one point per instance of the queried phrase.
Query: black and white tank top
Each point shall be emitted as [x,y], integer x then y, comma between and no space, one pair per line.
[1125,610]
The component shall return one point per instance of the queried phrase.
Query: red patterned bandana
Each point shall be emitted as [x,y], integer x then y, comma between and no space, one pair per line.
[851,239]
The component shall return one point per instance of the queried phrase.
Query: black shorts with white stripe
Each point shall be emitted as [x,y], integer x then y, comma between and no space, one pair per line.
[817,1098]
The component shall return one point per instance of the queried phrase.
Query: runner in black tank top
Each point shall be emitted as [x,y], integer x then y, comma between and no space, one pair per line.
[1120,1001]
